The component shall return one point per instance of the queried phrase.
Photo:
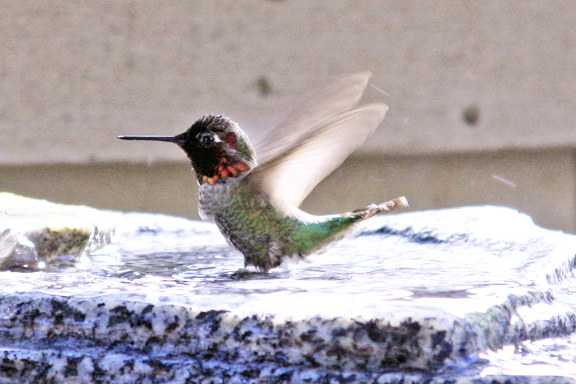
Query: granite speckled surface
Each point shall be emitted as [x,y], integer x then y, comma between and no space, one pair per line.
[417,297]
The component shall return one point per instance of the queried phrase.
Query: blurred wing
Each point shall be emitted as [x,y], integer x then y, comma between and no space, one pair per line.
[322,104]
[291,177]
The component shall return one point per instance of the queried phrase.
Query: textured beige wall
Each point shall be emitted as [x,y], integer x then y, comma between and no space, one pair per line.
[539,183]
[73,75]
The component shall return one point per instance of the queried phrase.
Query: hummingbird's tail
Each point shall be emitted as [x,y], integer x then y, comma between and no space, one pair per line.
[373,209]
[392,204]
[315,235]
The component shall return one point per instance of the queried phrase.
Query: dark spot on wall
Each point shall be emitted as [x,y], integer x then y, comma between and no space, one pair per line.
[471,115]
[264,86]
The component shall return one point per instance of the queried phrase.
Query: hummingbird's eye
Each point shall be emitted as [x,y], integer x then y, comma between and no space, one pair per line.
[207,139]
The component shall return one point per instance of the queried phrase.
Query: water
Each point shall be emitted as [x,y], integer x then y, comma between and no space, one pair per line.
[551,357]
[458,261]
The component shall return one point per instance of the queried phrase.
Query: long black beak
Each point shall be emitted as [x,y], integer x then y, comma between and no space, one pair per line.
[170,139]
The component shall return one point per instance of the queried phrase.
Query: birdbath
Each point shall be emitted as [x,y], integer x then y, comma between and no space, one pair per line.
[456,294]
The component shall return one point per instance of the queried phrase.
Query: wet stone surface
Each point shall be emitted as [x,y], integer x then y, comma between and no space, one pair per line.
[476,294]
[37,234]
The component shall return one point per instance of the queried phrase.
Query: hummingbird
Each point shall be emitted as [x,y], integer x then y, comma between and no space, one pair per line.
[253,195]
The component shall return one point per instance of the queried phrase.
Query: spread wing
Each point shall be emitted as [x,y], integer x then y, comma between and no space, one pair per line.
[315,142]
[327,101]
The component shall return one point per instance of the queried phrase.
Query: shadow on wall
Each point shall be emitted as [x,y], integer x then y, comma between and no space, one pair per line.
[539,183]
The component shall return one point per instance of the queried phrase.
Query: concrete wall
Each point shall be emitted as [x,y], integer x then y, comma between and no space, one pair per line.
[471,85]
[540,183]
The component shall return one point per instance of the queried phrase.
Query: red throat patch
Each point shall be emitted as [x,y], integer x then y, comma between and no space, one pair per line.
[226,169]
[230,138]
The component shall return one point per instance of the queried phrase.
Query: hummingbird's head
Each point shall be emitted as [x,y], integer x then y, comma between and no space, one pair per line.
[216,146]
